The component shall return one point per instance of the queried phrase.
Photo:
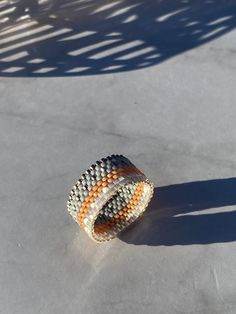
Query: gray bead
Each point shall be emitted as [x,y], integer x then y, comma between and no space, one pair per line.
[102,170]
[103,164]
[97,168]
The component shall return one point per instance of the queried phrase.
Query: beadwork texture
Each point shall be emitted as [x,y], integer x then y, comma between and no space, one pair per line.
[108,197]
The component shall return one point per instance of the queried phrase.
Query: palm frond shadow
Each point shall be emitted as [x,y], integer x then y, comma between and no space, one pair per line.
[67,38]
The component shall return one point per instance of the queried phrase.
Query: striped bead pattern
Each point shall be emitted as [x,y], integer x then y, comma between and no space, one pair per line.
[108,197]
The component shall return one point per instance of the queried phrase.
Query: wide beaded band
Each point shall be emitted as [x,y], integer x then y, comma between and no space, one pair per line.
[108,197]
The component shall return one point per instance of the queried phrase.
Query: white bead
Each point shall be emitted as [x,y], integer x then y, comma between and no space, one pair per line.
[105,190]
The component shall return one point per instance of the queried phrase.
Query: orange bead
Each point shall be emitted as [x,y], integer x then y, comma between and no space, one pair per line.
[91,199]
[100,189]
[95,194]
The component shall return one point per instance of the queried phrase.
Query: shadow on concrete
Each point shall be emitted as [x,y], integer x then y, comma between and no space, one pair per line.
[87,37]
[170,218]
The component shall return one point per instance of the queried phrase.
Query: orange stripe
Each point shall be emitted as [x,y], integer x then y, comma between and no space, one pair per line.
[94,193]
[121,215]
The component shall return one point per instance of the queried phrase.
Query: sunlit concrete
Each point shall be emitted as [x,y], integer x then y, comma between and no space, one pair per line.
[166,103]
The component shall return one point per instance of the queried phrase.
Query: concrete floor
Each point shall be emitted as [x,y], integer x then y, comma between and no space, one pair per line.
[169,108]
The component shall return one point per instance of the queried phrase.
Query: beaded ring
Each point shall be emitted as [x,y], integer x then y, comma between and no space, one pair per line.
[108,197]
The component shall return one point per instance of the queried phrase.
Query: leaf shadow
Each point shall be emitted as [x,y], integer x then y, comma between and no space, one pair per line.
[75,38]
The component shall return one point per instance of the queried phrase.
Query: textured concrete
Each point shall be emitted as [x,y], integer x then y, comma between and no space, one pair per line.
[174,118]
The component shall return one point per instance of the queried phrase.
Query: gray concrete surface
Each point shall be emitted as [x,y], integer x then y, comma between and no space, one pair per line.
[174,117]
